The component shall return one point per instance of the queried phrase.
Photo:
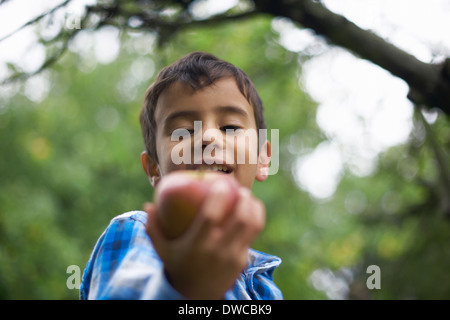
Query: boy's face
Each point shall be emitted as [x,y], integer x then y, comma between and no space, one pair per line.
[203,118]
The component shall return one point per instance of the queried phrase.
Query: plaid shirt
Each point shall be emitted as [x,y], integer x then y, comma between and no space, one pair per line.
[124,265]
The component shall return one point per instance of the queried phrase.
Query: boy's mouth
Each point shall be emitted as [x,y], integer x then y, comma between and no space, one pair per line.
[223,168]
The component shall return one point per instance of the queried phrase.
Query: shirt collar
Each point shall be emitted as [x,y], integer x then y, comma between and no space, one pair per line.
[261,262]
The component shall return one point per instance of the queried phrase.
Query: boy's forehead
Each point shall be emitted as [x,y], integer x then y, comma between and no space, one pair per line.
[225,84]
[222,93]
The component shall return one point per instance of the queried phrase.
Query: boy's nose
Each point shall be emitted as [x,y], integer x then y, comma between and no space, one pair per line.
[212,135]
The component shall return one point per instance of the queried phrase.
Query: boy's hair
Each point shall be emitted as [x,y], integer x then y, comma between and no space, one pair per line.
[198,70]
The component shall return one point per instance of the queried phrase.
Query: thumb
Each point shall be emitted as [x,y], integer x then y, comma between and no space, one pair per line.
[153,229]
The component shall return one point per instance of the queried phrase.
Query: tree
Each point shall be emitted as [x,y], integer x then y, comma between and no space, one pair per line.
[429,84]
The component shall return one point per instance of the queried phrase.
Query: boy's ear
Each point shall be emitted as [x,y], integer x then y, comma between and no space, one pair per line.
[262,171]
[151,168]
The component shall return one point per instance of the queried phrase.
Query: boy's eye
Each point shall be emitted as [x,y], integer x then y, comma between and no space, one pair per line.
[230,128]
[182,132]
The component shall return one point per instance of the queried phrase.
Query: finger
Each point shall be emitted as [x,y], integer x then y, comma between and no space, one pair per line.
[239,218]
[154,229]
[147,206]
[246,222]
[238,230]
[215,208]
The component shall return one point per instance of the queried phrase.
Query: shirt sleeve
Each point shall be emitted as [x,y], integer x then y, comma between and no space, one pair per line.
[124,264]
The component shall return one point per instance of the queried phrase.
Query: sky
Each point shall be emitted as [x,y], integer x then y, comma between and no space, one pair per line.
[362,109]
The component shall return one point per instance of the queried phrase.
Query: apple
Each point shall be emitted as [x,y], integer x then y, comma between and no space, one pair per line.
[180,194]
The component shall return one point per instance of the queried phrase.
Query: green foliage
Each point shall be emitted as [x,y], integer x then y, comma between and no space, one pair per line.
[70,163]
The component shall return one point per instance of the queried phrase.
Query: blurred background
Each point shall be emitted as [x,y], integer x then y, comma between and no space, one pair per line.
[363,176]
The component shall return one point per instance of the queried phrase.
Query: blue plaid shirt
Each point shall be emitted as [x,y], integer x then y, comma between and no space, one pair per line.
[124,265]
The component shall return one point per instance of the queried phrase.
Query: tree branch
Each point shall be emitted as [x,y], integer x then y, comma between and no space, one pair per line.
[443,187]
[429,84]
[63,36]
[35,19]
[48,62]
[166,28]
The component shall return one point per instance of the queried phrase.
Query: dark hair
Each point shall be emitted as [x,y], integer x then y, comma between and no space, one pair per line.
[199,70]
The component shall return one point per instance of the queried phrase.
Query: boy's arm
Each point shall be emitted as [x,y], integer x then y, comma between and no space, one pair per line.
[124,264]
[205,261]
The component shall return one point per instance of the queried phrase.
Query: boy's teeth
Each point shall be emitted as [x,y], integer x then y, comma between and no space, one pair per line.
[216,167]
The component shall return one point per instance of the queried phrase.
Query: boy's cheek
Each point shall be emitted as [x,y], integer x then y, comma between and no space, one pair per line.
[245,150]
[166,155]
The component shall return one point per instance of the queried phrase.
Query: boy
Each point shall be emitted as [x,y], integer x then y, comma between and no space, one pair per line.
[212,260]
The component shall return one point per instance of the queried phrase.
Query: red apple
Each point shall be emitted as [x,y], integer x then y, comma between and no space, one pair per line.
[180,194]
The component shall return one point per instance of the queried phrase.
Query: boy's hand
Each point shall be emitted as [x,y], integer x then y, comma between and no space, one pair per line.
[205,261]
